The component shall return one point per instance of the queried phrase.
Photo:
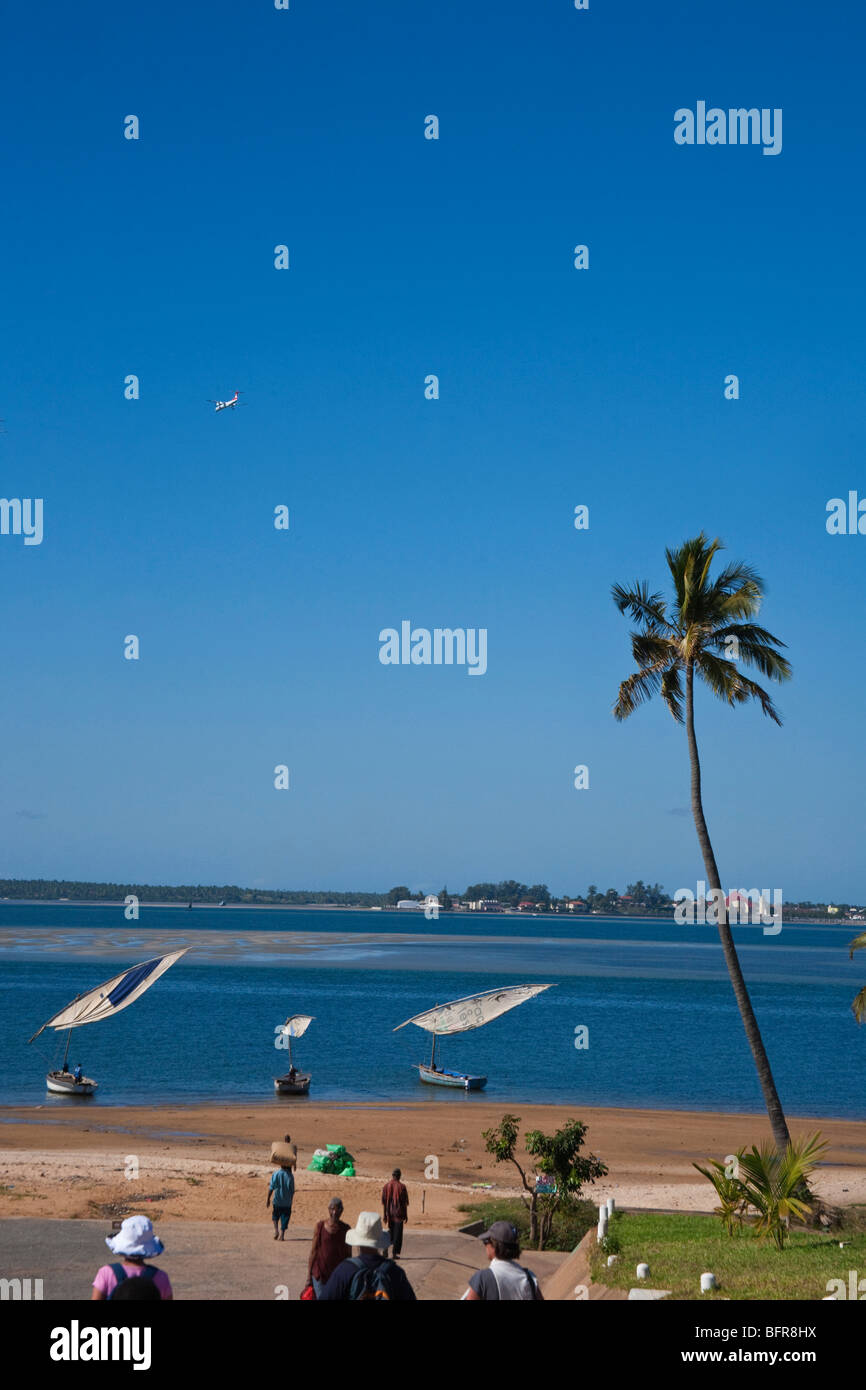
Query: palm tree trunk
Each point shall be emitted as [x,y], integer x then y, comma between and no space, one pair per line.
[753,1033]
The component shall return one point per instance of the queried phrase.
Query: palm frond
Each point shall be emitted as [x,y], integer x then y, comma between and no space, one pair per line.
[642,606]
[672,692]
[736,591]
[756,647]
[720,675]
[731,685]
[649,649]
[636,690]
[690,567]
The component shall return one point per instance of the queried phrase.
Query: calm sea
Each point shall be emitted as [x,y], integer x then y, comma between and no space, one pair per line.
[663,1028]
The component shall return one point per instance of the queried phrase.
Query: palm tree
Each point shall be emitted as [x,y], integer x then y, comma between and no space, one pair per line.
[709,621]
[776,1184]
[858,1003]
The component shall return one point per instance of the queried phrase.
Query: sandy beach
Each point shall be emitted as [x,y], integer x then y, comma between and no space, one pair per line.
[211,1163]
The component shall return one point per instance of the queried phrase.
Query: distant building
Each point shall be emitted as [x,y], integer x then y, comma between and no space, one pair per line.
[411,902]
[525,906]
[486,905]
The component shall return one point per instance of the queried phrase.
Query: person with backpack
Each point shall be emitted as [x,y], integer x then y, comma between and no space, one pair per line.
[134,1242]
[395,1208]
[369,1275]
[504,1278]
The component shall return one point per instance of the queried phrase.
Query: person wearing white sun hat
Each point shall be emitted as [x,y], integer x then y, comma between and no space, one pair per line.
[134,1242]
[369,1274]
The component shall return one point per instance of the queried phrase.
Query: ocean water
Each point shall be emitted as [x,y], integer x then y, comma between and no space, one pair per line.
[663,1027]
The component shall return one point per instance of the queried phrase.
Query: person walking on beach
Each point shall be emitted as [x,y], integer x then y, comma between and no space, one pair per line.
[329,1247]
[504,1278]
[282,1189]
[370,1274]
[134,1242]
[289,1155]
[395,1206]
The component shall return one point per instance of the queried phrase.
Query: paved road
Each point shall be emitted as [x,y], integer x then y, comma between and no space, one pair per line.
[227,1259]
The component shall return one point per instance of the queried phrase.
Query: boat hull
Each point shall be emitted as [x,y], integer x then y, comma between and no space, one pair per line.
[64,1084]
[299,1087]
[458,1080]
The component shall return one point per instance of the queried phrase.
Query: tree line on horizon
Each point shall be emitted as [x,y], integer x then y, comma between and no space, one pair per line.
[508,893]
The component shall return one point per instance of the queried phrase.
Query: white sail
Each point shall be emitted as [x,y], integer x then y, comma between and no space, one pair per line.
[116,994]
[297,1025]
[473,1011]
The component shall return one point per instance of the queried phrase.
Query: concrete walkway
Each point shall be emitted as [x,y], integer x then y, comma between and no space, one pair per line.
[229,1259]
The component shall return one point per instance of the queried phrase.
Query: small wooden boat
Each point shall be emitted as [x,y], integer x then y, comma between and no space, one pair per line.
[292,1085]
[65,1084]
[441,1076]
[294,1082]
[102,1002]
[460,1016]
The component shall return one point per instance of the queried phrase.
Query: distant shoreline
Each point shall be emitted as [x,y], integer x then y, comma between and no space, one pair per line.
[401,912]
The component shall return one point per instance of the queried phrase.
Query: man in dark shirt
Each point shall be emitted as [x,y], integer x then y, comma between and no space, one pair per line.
[370,1240]
[395,1206]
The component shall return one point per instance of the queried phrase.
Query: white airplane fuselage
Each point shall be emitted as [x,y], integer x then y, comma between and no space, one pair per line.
[224,405]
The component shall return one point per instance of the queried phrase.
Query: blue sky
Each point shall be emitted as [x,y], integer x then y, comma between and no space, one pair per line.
[558,387]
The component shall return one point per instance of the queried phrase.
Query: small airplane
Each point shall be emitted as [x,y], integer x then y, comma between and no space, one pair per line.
[228,405]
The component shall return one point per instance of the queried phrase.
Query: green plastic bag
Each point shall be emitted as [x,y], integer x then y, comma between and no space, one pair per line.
[337,1160]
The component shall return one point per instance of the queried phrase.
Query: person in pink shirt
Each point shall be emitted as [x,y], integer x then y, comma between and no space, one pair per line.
[134,1242]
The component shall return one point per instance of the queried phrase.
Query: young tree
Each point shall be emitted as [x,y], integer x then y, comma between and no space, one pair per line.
[557,1157]
[707,633]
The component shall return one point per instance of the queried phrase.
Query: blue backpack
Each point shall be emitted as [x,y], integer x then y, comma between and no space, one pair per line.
[373,1281]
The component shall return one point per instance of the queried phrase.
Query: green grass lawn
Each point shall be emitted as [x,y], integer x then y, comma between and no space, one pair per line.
[680,1248]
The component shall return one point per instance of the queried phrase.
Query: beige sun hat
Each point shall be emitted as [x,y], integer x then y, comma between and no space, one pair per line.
[367,1231]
